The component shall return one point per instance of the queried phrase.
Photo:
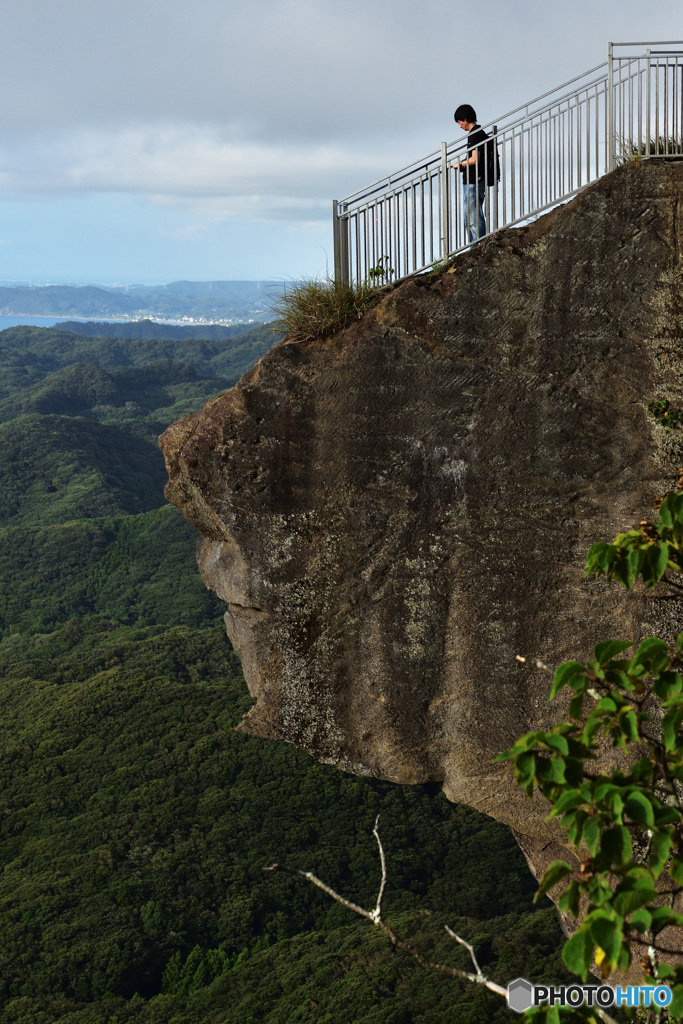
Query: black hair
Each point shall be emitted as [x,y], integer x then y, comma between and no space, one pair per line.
[465,113]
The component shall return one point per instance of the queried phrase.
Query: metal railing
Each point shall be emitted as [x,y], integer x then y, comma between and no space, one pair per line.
[547,150]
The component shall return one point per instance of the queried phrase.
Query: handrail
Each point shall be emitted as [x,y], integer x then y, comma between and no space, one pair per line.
[548,150]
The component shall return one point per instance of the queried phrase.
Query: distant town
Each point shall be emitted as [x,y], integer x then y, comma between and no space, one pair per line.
[184,302]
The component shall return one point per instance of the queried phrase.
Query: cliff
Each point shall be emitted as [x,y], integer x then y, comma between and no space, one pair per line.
[392,514]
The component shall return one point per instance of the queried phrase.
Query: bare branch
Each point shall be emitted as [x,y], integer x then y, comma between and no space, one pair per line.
[375,917]
[377,912]
[467,946]
[325,888]
[395,940]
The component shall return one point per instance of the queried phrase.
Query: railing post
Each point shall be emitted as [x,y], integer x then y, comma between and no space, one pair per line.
[340,235]
[445,204]
[494,214]
[610,107]
[648,102]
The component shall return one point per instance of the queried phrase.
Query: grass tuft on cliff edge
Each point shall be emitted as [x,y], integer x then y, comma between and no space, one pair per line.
[315,309]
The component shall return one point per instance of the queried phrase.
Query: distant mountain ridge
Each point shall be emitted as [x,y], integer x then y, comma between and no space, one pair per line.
[205,301]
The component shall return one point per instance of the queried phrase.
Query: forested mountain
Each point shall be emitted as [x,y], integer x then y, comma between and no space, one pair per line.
[135,820]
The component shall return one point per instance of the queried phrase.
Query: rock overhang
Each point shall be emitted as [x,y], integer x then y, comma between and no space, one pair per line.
[394,513]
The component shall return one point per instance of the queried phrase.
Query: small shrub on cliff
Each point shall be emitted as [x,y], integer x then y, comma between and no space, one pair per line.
[663,412]
[316,309]
[660,145]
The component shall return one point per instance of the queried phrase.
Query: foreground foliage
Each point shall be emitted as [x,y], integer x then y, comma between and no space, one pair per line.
[626,825]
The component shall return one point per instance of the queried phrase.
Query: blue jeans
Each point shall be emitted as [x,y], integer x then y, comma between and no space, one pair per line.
[473,197]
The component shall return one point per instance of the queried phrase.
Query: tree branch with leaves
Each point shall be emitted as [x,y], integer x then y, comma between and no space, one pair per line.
[626,825]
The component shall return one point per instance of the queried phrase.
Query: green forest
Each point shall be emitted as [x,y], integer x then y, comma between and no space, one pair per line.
[136,821]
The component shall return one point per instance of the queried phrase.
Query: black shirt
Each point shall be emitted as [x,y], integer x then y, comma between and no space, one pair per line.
[476,139]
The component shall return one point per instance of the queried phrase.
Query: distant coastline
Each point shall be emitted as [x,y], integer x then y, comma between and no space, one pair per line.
[183,303]
[45,320]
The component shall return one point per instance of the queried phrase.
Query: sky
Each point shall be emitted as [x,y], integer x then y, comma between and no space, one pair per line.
[158,140]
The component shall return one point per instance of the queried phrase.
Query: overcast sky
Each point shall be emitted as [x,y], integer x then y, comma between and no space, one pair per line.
[151,140]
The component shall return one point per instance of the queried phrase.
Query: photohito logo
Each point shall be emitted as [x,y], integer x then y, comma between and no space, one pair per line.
[522,995]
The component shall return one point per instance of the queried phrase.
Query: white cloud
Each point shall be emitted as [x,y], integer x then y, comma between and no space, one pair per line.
[192,165]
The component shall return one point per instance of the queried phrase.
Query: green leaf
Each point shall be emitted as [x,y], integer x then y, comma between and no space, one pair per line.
[608,649]
[648,650]
[604,790]
[617,805]
[655,565]
[593,726]
[643,770]
[667,510]
[555,872]
[578,952]
[599,557]
[592,831]
[576,705]
[608,795]
[624,960]
[605,707]
[668,684]
[606,932]
[641,920]
[525,768]
[569,900]
[675,1007]
[558,743]
[660,849]
[629,725]
[676,869]
[576,828]
[671,724]
[626,899]
[570,799]
[550,769]
[573,766]
[543,1015]
[598,889]
[617,677]
[664,917]
[666,816]
[564,674]
[639,808]
[616,846]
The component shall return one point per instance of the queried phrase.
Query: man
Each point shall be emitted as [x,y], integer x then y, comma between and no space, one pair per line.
[473,170]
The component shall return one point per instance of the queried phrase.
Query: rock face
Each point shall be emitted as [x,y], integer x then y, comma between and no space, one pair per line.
[393,513]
